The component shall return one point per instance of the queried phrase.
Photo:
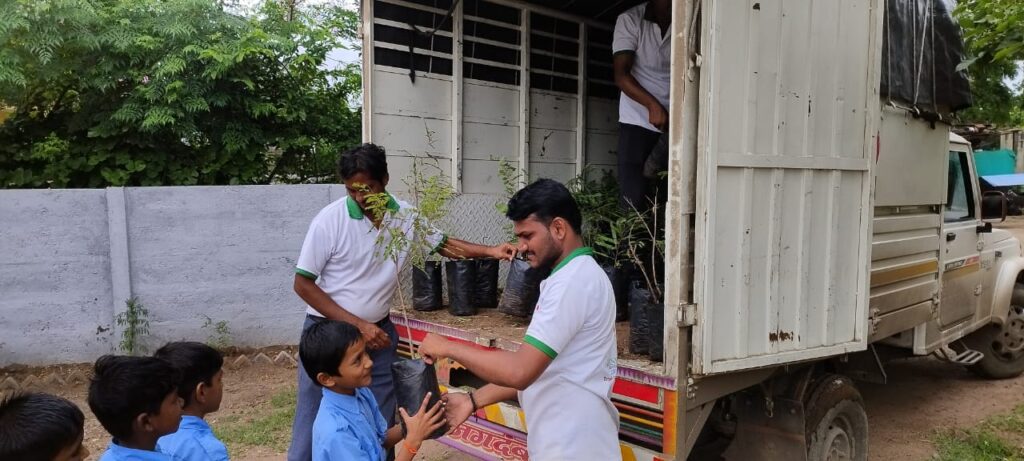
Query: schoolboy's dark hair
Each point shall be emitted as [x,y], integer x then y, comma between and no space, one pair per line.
[546,199]
[36,426]
[124,387]
[324,345]
[366,158]
[195,362]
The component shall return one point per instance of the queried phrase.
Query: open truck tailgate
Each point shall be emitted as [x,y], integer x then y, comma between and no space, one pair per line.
[787,118]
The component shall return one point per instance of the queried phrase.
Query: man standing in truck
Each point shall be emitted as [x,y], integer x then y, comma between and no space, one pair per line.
[341,276]
[563,373]
[641,56]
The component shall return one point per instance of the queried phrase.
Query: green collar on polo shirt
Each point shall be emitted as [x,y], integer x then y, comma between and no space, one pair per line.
[577,252]
[355,212]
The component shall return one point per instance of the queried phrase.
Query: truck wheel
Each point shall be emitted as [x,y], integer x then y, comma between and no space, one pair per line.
[837,426]
[1003,346]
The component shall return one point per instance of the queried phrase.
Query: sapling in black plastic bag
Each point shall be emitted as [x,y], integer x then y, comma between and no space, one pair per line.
[407,237]
[413,379]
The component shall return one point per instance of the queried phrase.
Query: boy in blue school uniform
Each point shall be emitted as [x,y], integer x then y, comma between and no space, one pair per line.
[136,400]
[202,389]
[41,427]
[349,425]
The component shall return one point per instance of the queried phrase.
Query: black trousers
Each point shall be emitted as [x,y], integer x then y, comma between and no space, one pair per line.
[635,145]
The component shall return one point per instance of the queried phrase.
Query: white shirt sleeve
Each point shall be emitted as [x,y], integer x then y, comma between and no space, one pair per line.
[555,322]
[627,33]
[317,249]
[436,239]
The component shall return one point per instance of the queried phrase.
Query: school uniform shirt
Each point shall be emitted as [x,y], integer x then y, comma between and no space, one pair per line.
[569,411]
[636,32]
[194,441]
[117,452]
[342,255]
[348,427]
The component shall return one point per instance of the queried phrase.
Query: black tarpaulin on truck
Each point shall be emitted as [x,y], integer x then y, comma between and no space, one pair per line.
[921,48]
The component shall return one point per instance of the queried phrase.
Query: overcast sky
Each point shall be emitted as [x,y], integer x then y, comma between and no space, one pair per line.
[339,57]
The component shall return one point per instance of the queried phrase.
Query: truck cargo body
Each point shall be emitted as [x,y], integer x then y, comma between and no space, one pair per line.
[807,217]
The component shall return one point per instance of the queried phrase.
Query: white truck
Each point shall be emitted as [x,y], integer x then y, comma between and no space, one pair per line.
[816,226]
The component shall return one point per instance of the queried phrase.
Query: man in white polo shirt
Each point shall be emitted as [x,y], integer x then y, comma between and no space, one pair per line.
[563,373]
[641,50]
[342,276]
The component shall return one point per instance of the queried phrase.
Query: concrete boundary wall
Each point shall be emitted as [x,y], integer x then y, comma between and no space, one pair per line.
[70,258]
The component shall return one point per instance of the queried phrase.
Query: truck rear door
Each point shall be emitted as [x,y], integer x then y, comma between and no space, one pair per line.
[787,125]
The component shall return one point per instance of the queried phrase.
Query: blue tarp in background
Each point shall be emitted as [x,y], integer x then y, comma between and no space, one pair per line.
[995,162]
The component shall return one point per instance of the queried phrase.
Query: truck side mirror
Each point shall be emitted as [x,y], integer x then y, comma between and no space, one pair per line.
[993,206]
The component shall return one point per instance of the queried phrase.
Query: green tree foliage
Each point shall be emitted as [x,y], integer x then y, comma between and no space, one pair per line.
[995,39]
[172,92]
[992,28]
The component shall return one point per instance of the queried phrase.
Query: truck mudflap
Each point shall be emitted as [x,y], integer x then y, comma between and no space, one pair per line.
[646,403]
[768,429]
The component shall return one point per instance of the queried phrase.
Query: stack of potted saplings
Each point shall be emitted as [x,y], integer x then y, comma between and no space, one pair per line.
[472,285]
[629,246]
[604,228]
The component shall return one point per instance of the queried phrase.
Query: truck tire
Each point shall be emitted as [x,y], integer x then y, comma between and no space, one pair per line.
[1003,345]
[836,423]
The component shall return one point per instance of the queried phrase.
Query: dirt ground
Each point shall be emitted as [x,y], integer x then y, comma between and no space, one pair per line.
[924,395]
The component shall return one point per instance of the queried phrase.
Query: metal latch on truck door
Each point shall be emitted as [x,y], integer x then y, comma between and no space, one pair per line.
[686,315]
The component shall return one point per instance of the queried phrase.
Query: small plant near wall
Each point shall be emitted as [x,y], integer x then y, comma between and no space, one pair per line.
[134,324]
[219,333]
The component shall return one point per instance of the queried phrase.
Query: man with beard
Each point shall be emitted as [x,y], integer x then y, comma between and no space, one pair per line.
[563,373]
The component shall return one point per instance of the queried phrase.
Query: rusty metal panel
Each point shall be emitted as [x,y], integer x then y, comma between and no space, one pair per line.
[485,141]
[491,104]
[552,146]
[557,171]
[414,136]
[788,111]
[481,177]
[393,93]
[552,110]
[601,148]
[603,114]
[602,136]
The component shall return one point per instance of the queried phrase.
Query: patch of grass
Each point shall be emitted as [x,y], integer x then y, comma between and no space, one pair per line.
[270,426]
[994,439]
[975,445]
